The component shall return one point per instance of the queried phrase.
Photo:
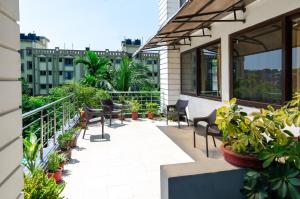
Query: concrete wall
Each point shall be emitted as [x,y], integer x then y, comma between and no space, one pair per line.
[11,174]
[206,179]
[256,12]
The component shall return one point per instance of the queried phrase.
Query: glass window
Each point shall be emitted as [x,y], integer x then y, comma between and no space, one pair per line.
[68,62]
[296,54]
[210,69]
[189,72]
[257,64]
[42,73]
[29,65]
[42,59]
[68,75]
[29,78]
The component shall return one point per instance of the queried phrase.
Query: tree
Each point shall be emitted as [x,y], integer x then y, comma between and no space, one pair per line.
[98,68]
[131,76]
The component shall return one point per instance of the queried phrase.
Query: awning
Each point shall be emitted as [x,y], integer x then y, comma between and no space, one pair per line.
[195,15]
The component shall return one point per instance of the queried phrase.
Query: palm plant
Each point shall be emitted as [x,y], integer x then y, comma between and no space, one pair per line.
[99,72]
[31,149]
[131,76]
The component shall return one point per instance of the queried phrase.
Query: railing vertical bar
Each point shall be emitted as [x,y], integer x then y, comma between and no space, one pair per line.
[54,125]
[42,137]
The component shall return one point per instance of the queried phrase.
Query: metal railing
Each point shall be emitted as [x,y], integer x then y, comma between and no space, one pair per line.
[143,97]
[48,121]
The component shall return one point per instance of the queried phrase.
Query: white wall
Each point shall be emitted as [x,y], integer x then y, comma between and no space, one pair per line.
[11,174]
[169,60]
[259,11]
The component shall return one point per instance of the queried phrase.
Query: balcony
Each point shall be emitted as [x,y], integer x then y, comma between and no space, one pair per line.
[128,162]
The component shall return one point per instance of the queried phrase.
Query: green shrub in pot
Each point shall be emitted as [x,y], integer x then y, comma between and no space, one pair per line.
[264,135]
[38,185]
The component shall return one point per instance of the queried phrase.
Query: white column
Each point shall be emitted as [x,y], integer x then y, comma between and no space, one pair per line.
[169,59]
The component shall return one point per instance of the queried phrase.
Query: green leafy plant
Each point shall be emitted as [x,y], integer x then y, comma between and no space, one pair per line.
[62,158]
[263,134]
[37,185]
[54,160]
[31,149]
[152,107]
[277,181]
[64,140]
[134,106]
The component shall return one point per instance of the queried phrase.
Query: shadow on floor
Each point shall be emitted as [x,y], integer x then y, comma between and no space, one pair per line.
[115,125]
[99,138]
[183,137]
[73,161]
[79,148]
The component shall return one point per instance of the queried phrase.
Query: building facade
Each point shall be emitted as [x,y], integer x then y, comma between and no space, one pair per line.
[44,68]
[11,147]
[218,50]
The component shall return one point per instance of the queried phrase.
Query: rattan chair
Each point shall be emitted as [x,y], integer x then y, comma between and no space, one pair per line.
[178,110]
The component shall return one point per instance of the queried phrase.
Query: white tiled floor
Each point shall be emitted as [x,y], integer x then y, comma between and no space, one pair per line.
[125,167]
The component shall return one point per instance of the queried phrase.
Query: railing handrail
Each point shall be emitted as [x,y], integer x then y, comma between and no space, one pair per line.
[30,113]
[133,92]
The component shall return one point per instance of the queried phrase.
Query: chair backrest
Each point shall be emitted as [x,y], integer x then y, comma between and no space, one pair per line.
[108,105]
[212,117]
[181,105]
[87,110]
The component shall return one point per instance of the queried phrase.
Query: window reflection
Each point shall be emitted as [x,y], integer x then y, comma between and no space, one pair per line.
[296,55]
[257,65]
[188,72]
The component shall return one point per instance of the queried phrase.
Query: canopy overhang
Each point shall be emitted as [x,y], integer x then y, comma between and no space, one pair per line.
[193,16]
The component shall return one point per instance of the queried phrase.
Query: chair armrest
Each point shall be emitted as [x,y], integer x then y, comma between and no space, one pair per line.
[119,106]
[200,119]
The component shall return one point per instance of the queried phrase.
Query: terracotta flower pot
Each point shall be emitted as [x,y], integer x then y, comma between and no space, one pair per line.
[150,116]
[57,175]
[134,115]
[239,160]
[73,142]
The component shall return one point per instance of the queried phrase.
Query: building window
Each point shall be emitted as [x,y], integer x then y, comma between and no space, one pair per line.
[50,85]
[149,62]
[118,61]
[296,54]
[210,70]
[155,62]
[50,60]
[257,64]
[60,59]
[29,78]
[29,51]
[42,59]
[22,53]
[68,75]
[29,65]
[60,73]
[42,73]
[49,72]
[22,67]
[68,62]
[189,72]
[43,86]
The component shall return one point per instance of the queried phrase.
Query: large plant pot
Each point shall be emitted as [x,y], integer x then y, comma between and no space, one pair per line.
[150,116]
[57,175]
[239,160]
[134,115]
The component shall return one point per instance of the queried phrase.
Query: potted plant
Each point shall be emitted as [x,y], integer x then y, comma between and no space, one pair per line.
[62,161]
[82,118]
[152,109]
[75,133]
[64,141]
[31,150]
[247,137]
[122,100]
[38,185]
[53,167]
[134,107]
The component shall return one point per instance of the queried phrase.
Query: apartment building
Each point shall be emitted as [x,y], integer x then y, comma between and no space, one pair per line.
[45,68]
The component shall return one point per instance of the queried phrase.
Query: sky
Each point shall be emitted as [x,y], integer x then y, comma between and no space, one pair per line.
[100,24]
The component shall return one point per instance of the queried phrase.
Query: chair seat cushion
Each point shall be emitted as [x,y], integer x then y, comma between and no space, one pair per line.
[214,131]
